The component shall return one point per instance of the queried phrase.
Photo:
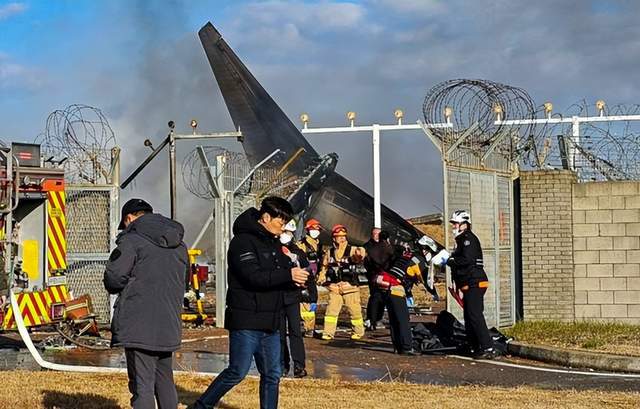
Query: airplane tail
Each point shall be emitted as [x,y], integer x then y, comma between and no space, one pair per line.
[264,125]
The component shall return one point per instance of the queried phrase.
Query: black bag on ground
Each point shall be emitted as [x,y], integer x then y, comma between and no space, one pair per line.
[424,339]
[450,331]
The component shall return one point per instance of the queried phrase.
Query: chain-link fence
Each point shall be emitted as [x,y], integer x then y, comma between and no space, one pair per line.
[487,196]
[239,189]
[92,217]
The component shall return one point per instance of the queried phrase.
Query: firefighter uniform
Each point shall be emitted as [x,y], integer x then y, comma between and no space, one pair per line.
[467,270]
[313,251]
[339,273]
[406,269]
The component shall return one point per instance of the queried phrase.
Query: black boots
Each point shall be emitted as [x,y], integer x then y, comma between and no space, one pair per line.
[299,372]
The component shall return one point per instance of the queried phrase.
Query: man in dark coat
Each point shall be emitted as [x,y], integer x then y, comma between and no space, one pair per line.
[147,271]
[258,274]
[375,304]
[291,325]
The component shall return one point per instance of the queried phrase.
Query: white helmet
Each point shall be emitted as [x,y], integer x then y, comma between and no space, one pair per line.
[460,216]
[291,226]
[426,241]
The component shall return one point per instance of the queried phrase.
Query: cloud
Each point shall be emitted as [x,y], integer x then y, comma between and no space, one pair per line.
[11,9]
[323,16]
[412,6]
[293,26]
[15,76]
[327,58]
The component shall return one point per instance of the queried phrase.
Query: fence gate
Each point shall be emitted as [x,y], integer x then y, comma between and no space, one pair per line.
[487,195]
[92,221]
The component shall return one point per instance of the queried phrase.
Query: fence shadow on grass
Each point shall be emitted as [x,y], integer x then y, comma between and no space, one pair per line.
[61,400]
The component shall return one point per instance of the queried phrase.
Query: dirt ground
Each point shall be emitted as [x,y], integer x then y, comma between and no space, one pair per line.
[54,390]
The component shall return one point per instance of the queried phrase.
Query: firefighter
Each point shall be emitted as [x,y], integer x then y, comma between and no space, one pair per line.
[467,270]
[312,249]
[427,248]
[290,324]
[340,273]
[400,269]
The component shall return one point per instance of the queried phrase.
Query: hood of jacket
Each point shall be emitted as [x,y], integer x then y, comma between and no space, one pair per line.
[159,230]
[247,223]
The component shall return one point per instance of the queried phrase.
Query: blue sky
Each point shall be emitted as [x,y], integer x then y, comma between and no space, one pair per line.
[142,64]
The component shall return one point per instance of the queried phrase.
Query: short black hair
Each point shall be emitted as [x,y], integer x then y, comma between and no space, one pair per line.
[277,207]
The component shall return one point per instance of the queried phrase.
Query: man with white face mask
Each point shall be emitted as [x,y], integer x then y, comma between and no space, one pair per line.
[312,248]
[290,324]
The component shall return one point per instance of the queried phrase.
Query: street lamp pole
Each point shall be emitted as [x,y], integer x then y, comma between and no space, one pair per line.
[575,122]
[171,140]
[376,131]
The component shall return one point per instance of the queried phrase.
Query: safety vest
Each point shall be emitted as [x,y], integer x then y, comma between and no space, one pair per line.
[332,256]
[342,270]
[313,255]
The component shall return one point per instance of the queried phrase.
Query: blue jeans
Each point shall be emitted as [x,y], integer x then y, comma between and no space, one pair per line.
[243,346]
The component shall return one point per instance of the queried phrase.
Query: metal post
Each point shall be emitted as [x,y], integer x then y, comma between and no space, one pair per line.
[221,220]
[8,222]
[203,230]
[377,213]
[376,129]
[172,175]
[575,134]
[115,166]
[496,247]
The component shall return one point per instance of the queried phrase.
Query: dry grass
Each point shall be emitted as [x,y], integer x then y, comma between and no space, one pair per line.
[593,336]
[50,390]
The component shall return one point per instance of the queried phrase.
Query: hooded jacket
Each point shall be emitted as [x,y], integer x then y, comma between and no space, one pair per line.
[147,271]
[258,274]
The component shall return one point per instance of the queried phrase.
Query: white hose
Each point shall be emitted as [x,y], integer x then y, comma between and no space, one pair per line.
[26,338]
[24,334]
[553,370]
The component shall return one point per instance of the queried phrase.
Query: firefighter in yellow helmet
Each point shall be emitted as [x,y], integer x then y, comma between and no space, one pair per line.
[312,248]
[339,272]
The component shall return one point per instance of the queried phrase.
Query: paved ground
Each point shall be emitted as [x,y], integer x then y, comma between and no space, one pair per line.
[366,360]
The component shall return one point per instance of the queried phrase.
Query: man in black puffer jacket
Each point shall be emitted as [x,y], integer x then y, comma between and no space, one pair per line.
[258,274]
[147,271]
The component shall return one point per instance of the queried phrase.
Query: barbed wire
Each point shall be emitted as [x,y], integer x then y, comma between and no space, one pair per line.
[473,105]
[234,168]
[81,138]
[603,150]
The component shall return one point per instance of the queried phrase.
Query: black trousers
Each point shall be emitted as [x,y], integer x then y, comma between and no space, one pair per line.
[291,327]
[398,320]
[375,304]
[474,323]
[151,379]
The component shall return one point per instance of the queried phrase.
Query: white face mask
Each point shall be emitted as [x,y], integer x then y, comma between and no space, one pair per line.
[314,234]
[456,232]
[285,238]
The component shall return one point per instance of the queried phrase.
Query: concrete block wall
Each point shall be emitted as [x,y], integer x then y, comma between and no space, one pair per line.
[547,245]
[606,242]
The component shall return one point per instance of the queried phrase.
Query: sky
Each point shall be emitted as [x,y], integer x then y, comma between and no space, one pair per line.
[142,64]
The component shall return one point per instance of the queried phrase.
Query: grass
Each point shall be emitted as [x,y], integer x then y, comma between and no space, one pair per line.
[40,390]
[596,336]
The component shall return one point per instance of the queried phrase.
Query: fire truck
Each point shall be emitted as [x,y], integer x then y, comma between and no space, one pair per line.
[33,252]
